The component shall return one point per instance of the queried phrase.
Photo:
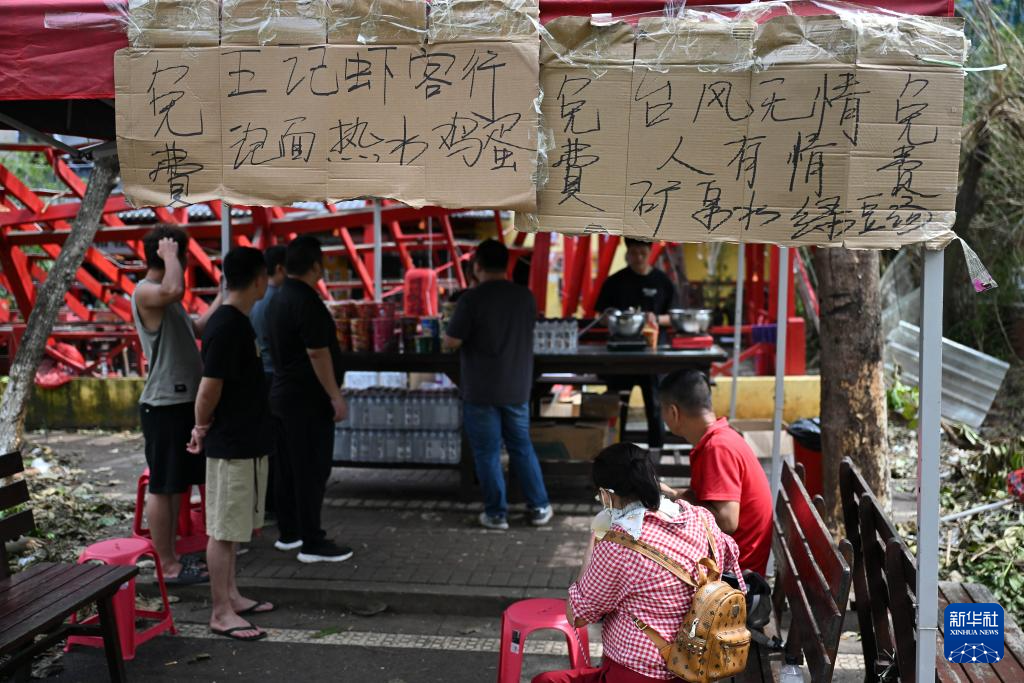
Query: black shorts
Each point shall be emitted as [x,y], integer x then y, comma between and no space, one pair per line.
[167,430]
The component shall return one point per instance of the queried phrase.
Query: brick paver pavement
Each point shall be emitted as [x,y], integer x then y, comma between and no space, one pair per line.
[417,542]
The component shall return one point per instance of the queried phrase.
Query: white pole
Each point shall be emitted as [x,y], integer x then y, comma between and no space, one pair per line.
[378,255]
[781,320]
[225,231]
[928,432]
[737,335]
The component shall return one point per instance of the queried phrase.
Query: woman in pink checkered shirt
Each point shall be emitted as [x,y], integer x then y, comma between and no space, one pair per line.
[617,584]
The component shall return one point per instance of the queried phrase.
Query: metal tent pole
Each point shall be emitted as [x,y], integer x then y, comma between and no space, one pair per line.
[225,232]
[378,253]
[781,320]
[737,335]
[928,432]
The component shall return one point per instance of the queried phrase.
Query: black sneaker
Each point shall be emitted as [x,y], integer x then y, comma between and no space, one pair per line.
[284,544]
[324,551]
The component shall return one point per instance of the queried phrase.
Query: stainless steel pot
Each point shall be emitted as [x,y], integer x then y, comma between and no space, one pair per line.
[625,323]
[690,320]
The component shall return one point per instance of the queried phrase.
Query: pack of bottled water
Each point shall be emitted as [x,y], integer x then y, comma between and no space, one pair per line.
[556,336]
[389,425]
[394,408]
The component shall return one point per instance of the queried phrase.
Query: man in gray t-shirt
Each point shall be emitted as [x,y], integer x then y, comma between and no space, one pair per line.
[168,337]
[492,328]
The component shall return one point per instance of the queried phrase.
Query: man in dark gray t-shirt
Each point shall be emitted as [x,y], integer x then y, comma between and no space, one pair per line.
[492,327]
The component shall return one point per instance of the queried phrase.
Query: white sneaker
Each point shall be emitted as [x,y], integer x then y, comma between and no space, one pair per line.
[497,523]
[287,545]
[542,516]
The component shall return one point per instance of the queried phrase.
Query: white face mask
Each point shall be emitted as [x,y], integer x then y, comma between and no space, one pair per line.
[629,518]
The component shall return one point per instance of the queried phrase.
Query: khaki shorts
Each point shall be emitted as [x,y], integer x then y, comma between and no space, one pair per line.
[235,495]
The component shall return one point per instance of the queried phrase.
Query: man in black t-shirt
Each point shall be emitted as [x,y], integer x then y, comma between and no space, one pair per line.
[640,286]
[493,328]
[230,417]
[306,398]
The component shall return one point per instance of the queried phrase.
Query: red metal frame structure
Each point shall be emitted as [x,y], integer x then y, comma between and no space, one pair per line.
[34,225]
[58,76]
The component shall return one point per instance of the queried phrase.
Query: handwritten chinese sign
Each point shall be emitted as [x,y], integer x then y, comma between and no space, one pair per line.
[446,124]
[795,131]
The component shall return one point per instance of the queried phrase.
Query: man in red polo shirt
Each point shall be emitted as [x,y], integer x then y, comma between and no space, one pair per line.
[725,475]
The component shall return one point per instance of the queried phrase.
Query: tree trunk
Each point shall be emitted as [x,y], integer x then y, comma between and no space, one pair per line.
[49,298]
[853,408]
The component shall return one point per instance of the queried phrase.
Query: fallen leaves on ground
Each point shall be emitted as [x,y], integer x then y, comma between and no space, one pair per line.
[70,507]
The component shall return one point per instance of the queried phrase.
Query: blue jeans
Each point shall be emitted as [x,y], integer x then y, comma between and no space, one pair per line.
[486,427]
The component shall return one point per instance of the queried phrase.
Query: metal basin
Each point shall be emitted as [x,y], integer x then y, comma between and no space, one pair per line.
[690,320]
[626,323]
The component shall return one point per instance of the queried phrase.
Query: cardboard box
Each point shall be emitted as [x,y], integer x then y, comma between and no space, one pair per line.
[600,406]
[560,441]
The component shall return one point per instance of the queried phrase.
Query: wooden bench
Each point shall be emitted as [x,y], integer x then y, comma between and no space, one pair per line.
[869,531]
[39,600]
[812,583]
[885,580]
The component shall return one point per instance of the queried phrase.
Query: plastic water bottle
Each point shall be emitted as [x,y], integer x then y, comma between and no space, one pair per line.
[791,671]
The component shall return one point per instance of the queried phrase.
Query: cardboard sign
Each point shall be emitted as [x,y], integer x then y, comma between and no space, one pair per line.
[167,111]
[586,111]
[803,130]
[450,124]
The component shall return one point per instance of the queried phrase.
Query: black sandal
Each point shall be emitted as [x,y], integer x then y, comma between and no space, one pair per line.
[190,574]
[252,609]
[230,633]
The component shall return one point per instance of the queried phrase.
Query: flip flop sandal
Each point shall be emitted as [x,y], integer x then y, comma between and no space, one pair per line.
[230,633]
[190,574]
[193,561]
[254,609]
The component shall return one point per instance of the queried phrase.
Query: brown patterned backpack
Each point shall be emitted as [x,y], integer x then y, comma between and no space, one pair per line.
[713,641]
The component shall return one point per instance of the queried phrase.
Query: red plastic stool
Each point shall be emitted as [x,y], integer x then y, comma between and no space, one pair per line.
[526,616]
[191,536]
[127,551]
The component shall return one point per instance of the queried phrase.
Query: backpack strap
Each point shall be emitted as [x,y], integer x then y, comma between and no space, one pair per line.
[711,541]
[627,541]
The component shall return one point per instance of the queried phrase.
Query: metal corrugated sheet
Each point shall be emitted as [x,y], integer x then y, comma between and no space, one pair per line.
[970,379]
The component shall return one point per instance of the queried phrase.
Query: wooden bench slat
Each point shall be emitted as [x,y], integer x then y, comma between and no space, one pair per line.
[13,494]
[851,488]
[93,582]
[8,584]
[15,589]
[39,591]
[803,622]
[11,463]
[879,600]
[816,534]
[18,524]
[824,609]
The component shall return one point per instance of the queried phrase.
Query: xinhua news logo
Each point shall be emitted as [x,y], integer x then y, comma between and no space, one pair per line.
[973,633]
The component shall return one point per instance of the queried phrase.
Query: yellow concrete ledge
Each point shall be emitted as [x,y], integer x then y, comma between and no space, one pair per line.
[756,397]
[87,404]
[756,400]
[113,403]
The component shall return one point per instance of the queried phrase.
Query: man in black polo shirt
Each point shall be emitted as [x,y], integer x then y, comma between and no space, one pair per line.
[640,286]
[307,400]
[230,420]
